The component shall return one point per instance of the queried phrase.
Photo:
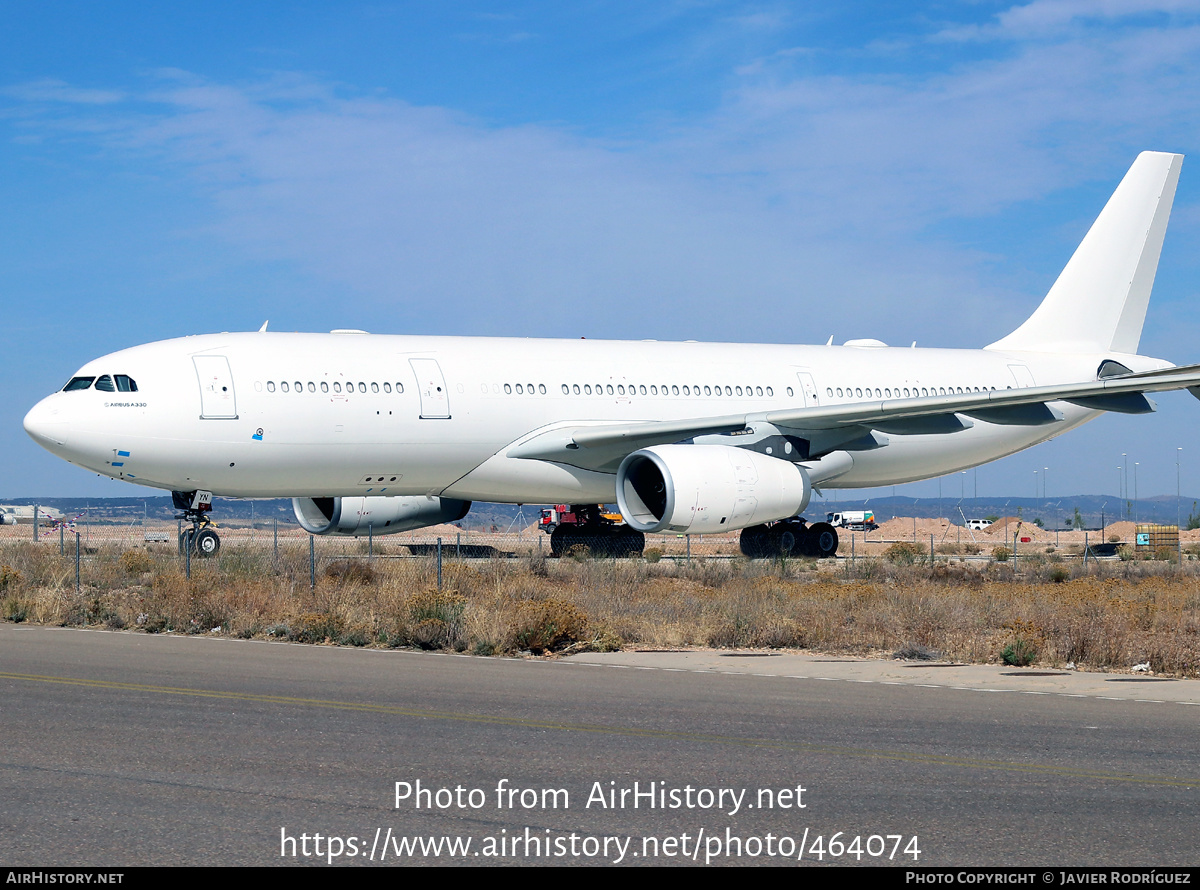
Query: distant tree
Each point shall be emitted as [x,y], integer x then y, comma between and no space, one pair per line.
[992,517]
[1078,520]
[1193,518]
[1038,522]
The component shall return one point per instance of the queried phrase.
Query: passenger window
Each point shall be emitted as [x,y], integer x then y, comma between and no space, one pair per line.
[312,387]
[78,383]
[566,390]
[105,384]
[270,386]
[337,387]
[508,389]
[362,387]
[374,387]
[643,388]
[299,386]
[575,389]
[587,389]
[399,387]
[387,387]
[324,386]
[284,386]
[125,383]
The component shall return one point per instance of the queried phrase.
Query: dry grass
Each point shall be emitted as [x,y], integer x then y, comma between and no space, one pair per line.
[1113,616]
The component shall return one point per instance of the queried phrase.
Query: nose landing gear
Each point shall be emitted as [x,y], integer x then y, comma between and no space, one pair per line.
[202,538]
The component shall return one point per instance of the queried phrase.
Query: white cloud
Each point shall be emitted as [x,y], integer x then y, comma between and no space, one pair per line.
[58,91]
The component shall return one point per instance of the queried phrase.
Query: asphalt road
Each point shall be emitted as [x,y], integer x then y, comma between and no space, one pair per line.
[122,749]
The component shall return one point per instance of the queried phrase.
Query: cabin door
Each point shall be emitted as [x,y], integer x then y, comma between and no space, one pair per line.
[435,399]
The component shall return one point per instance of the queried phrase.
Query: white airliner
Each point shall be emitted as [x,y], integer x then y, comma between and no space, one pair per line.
[391,433]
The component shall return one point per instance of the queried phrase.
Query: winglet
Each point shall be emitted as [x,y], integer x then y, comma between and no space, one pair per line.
[1098,303]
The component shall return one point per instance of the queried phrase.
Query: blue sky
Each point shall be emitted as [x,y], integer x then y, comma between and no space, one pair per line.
[758,172]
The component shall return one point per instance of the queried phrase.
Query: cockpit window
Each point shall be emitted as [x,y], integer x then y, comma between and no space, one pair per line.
[125,383]
[78,383]
[105,384]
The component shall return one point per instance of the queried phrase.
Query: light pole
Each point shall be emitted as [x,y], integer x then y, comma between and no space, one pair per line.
[1135,466]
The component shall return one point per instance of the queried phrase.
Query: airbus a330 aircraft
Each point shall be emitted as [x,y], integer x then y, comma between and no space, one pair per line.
[394,433]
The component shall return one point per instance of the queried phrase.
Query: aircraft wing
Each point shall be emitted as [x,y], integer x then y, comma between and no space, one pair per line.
[602,447]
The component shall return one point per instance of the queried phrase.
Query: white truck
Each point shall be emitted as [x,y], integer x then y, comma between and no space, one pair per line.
[855,520]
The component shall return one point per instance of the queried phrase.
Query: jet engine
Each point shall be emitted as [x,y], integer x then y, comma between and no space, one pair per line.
[380,515]
[695,489]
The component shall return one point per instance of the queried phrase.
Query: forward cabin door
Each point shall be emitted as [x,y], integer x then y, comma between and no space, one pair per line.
[435,400]
[217,401]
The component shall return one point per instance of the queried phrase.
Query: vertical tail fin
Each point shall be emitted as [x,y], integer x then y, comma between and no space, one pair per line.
[1098,303]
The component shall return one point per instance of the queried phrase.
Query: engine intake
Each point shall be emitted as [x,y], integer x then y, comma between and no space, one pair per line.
[379,516]
[694,489]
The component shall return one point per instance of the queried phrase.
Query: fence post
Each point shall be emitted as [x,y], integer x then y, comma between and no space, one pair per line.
[187,554]
[439,563]
[35,523]
[62,550]
[312,564]
[931,549]
[370,541]
[275,523]
[77,562]
[689,547]
[1085,548]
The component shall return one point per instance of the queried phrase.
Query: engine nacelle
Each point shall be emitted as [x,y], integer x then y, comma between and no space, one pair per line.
[696,489]
[381,516]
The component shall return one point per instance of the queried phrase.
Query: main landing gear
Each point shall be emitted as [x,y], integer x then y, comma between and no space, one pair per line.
[790,537]
[202,538]
[596,532]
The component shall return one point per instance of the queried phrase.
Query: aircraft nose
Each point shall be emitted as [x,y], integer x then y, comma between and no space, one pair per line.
[45,425]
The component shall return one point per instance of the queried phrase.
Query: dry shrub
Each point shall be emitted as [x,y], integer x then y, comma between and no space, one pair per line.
[548,626]
[903,553]
[435,620]
[350,571]
[136,562]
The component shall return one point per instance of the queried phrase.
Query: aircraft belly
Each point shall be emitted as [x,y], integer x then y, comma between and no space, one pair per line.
[514,480]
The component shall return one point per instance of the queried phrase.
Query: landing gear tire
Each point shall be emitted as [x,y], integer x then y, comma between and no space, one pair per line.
[784,538]
[754,541]
[599,541]
[206,542]
[822,540]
